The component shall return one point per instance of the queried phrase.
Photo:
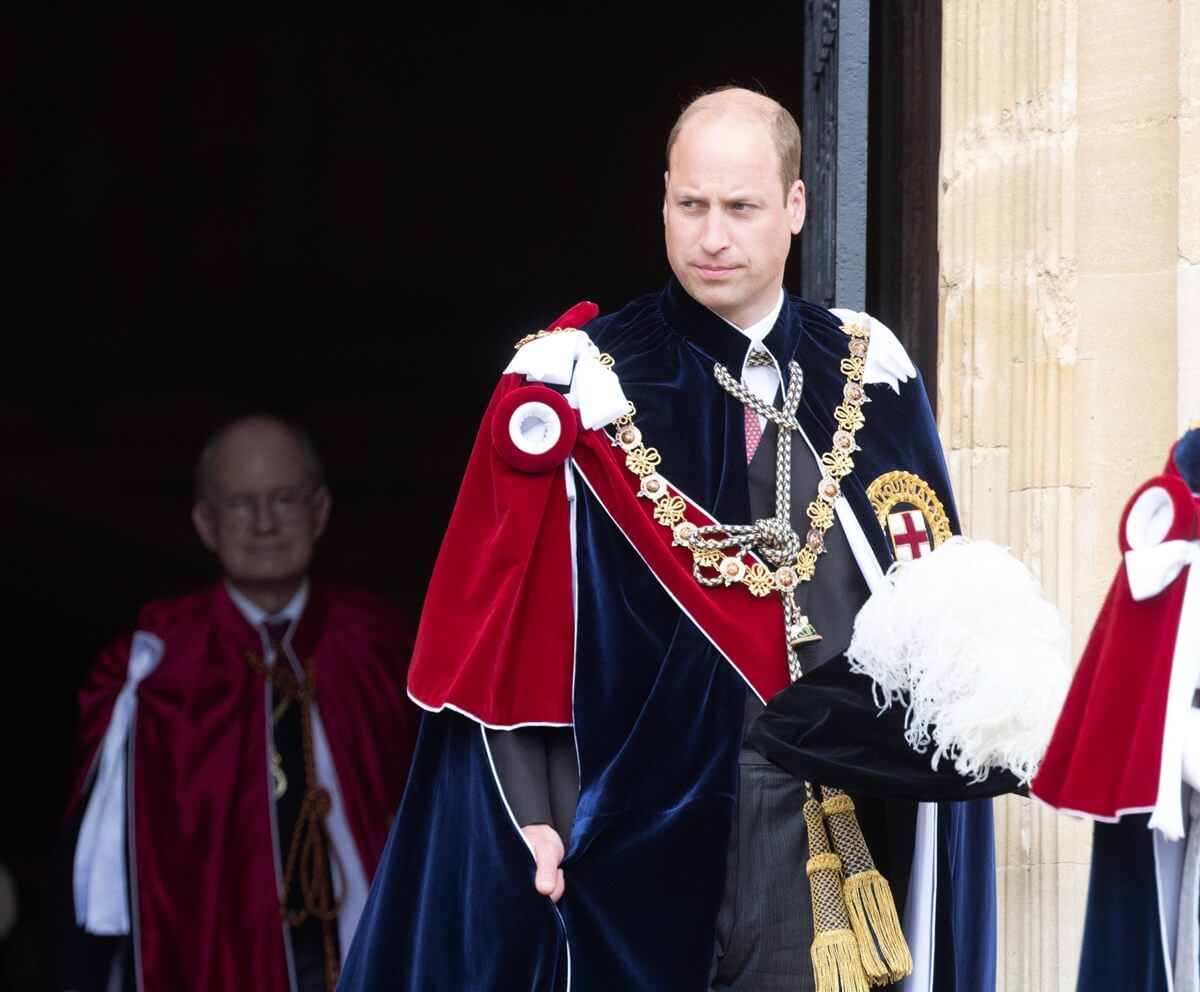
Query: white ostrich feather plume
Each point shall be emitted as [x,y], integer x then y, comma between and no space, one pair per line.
[964,639]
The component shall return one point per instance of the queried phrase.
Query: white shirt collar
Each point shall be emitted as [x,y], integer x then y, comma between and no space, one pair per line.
[256,615]
[760,328]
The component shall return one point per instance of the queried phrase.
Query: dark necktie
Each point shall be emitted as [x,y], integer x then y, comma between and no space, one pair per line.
[308,948]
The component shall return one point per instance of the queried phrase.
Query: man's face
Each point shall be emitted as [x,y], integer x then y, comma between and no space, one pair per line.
[261,515]
[729,225]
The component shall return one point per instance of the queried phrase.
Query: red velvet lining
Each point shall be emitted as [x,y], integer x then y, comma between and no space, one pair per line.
[496,639]
[747,629]
[1103,758]
[577,316]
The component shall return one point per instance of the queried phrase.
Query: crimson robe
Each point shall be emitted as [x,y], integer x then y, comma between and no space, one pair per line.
[205,869]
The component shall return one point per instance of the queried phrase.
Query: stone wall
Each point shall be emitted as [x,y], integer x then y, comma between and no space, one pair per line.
[1069,334]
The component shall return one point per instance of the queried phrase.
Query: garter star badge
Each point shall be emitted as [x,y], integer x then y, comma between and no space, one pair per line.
[910,514]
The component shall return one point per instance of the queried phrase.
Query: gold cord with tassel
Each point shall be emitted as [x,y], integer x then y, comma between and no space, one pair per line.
[868,897]
[836,959]
[311,857]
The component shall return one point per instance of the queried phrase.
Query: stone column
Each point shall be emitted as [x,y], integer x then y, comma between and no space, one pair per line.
[1069,334]
[1188,285]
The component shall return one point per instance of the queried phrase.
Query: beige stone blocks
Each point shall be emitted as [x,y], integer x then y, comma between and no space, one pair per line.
[1069,333]
[1038,892]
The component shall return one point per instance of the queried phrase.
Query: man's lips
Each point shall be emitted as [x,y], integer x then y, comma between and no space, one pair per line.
[715,273]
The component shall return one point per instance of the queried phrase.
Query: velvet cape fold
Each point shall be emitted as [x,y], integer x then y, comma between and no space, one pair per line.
[1103,762]
[204,872]
[1103,758]
[657,712]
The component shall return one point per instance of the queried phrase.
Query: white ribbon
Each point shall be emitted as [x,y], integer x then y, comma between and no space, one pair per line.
[1150,570]
[887,361]
[101,880]
[1187,938]
[550,358]
[569,358]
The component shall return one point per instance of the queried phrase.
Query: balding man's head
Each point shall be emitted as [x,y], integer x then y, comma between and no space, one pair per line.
[255,427]
[728,231]
[261,504]
[743,104]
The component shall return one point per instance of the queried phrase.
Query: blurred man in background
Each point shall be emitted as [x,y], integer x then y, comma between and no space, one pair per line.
[239,755]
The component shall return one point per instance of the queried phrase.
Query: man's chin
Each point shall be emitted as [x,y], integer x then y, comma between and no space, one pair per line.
[714,294]
[265,578]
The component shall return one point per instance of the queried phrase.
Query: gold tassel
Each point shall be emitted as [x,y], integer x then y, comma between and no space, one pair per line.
[873,911]
[867,895]
[837,962]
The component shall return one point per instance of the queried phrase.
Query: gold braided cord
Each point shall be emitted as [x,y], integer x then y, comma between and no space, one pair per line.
[310,858]
[867,895]
[545,333]
[836,959]
[824,862]
[839,802]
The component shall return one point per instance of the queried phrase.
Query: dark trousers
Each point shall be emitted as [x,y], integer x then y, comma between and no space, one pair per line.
[764,927]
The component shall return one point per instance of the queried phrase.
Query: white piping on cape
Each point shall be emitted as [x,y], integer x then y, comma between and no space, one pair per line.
[512,818]
[479,720]
[1168,872]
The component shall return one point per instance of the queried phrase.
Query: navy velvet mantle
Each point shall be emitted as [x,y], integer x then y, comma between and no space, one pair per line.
[1123,937]
[657,714]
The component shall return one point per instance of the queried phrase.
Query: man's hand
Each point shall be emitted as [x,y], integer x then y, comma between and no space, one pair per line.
[548,853]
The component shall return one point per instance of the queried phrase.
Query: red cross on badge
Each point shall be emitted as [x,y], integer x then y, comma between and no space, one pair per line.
[910,536]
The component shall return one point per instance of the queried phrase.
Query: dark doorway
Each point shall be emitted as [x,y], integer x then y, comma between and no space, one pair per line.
[903,188]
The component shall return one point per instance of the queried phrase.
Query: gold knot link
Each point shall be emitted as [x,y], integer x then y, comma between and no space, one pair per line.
[824,862]
[317,801]
[837,804]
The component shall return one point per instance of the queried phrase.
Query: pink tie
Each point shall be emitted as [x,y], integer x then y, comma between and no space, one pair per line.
[753,433]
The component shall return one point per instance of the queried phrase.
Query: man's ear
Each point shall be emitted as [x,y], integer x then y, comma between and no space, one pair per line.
[796,206]
[204,519]
[666,186]
[322,503]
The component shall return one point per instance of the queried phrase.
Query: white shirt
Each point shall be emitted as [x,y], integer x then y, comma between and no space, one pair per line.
[761,380]
[256,616]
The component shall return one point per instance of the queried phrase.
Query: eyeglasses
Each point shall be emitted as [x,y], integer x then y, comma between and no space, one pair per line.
[284,503]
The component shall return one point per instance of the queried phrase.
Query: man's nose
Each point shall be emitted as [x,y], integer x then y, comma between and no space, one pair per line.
[266,520]
[714,237]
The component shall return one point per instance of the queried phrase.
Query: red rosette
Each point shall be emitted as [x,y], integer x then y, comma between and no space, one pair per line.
[534,429]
